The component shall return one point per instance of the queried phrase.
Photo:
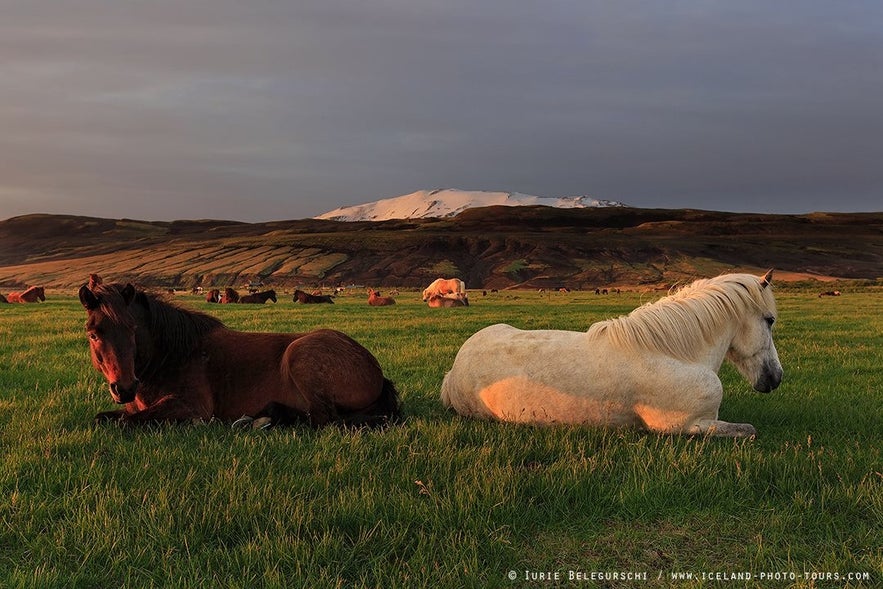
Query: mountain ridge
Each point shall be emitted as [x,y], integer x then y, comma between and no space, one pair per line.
[491,247]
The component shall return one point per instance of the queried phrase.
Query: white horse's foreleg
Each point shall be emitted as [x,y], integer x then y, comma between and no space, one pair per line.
[725,429]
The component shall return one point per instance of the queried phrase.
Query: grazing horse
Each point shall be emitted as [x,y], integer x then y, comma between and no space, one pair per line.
[375,300]
[3,299]
[829,293]
[168,363]
[438,301]
[213,296]
[31,295]
[655,368]
[230,296]
[259,297]
[309,299]
[445,286]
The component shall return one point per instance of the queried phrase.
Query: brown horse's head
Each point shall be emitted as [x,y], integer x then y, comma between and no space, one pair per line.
[111,330]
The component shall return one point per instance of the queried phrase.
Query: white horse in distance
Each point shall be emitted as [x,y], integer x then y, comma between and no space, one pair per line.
[655,368]
[448,288]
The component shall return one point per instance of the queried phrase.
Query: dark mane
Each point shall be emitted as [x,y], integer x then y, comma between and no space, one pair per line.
[176,333]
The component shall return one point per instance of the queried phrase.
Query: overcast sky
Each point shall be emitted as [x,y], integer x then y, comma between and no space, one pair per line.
[283,109]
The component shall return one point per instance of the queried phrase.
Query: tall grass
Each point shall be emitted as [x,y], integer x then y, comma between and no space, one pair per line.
[441,501]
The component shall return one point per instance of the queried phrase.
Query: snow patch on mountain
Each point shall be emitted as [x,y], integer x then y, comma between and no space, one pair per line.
[450,202]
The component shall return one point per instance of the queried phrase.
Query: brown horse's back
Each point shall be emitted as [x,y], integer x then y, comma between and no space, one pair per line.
[323,374]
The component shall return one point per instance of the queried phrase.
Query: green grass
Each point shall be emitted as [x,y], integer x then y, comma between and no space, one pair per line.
[442,501]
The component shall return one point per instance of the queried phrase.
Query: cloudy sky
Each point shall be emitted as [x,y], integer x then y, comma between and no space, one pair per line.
[281,109]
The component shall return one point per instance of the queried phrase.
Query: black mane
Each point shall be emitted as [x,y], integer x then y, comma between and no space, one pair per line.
[176,333]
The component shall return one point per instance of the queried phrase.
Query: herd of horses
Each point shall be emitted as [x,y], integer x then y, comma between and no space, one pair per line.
[655,368]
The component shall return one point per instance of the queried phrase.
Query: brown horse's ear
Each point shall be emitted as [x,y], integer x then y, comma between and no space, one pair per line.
[94,280]
[767,279]
[88,298]
[128,293]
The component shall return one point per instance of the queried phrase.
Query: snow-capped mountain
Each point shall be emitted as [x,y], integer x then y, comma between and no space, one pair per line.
[449,202]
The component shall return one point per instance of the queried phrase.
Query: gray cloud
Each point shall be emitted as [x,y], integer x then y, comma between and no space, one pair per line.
[271,110]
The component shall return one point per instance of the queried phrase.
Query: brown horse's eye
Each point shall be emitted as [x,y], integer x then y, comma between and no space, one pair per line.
[93,336]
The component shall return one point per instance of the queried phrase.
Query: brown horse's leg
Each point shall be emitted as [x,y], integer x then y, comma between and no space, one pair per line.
[168,409]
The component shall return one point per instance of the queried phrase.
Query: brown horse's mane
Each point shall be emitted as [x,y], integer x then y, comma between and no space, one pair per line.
[176,332]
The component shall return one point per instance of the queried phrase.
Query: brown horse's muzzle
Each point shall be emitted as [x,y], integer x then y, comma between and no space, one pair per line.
[122,395]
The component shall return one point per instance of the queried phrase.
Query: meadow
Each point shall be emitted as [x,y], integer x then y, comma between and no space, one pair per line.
[439,500]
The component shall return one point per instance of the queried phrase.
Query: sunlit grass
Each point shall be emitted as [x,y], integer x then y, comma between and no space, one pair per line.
[439,500]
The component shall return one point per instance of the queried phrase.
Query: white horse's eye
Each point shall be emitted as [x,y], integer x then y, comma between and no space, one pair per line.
[769,320]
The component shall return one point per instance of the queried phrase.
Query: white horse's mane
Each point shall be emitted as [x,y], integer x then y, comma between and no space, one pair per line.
[670,325]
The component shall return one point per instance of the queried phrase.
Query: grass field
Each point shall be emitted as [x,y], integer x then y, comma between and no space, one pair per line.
[442,501]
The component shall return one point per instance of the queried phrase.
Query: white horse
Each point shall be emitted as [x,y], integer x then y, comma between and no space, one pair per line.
[655,368]
[452,288]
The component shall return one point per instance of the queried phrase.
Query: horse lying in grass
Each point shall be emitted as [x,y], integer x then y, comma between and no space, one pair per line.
[446,301]
[31,295]
[655,368]
[167,363]
[310,299]
[259,297]
[376,300]
[446,287]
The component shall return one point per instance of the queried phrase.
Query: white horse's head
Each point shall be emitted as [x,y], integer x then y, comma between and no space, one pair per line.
[752,350]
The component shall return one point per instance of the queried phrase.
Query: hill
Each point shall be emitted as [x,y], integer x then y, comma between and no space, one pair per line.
[451,202]
[493,247]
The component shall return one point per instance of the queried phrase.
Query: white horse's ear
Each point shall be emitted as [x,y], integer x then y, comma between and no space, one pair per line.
[767,279]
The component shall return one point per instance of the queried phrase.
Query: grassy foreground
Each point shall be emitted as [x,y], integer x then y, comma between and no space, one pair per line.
[442,501]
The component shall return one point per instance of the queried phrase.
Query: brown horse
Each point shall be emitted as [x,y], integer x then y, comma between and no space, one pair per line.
[439,301]
[309,299]
[3,299]
[31,295]
[213,296]
[230,296]
[167,363]
[259,297]
[375,300]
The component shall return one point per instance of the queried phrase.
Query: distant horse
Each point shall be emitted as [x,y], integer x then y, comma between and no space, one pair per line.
[229,296]
[167,363]
[438,301]
[31,295]
[445,286]
[655,368]
[375,300]
[308,299]
[213,296]
[259,297]
[829,293]
[3,299]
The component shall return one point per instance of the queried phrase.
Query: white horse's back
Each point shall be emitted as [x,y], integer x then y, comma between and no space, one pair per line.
[533,376]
